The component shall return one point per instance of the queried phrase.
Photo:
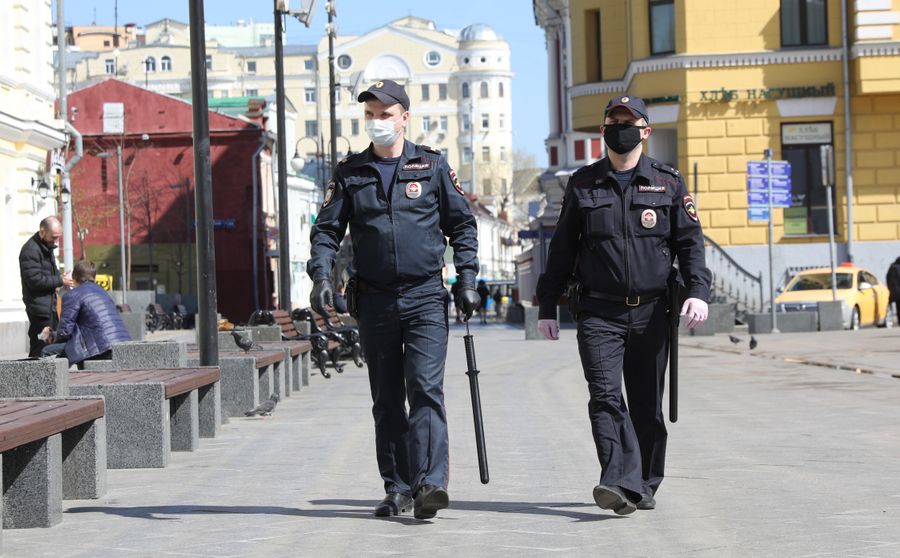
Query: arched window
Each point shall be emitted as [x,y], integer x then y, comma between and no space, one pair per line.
[465,90]
[501,89]
[165,64]
[150,64]
[484,90]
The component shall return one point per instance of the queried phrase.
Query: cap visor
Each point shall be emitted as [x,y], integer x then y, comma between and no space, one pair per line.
[381,96]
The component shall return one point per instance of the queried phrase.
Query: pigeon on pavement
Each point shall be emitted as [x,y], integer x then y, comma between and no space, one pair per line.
[245,342]
[734,339]
[265,408]
[753,343]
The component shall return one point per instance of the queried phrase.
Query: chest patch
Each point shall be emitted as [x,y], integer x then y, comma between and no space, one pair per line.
[648,218]
[416,166]
[651,188]
[413,190]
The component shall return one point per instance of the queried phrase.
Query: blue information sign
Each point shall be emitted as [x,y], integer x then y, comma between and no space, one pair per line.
[758,213]
[761,184]
[758,168]
[779,199]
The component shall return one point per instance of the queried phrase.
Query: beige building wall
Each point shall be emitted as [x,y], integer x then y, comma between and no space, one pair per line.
[28,130]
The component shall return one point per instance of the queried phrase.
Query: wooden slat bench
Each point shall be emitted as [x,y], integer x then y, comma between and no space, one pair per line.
[153,412]
[247,378]
[52,448]
[298,374]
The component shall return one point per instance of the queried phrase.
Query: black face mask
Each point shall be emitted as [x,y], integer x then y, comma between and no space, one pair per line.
[622,138]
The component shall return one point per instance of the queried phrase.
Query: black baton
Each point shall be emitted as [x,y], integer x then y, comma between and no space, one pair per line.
[674,322]
[472,373]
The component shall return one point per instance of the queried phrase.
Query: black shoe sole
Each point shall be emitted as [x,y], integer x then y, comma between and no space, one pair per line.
[428,506]
[611,500]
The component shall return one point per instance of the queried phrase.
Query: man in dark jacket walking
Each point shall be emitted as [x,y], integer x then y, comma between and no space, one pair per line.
[40,279]
[90,323]
[893,285]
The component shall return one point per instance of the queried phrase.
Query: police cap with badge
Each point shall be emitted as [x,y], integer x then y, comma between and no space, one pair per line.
[388,92]
[634,105]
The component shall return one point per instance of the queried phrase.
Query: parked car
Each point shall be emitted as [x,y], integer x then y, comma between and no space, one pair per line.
[864,297]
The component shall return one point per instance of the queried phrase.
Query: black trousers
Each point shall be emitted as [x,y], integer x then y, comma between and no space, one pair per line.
[36,323]
[404,337]
[619,342]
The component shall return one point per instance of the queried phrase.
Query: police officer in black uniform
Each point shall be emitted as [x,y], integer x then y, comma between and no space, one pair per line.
[623,221]
[401,201]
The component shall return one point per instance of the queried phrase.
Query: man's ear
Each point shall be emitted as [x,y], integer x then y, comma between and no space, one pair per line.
[647,131]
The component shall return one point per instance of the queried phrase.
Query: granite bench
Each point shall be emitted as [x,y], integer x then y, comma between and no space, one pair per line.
[247,378]
[52,449]
[152,412]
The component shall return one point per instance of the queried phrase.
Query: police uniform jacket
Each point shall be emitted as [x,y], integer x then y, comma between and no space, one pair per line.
[623,242]
[398,237]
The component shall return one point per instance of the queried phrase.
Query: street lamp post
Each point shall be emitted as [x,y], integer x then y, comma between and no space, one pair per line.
[123,276]
[332,101]
[284,252]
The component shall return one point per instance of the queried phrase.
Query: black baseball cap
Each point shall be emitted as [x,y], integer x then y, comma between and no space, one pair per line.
[634,105]
[387,91]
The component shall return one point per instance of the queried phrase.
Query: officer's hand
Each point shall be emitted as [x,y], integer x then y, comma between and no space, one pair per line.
[322,296]
[550,329]
[467,301]
[696,310]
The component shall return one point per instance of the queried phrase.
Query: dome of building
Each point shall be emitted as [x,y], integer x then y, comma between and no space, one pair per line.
[478,32]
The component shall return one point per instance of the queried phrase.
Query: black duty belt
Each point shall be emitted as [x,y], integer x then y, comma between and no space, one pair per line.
[367,288]
[635,300]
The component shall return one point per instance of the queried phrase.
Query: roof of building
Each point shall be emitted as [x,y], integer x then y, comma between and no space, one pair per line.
[289,50]
[479,32]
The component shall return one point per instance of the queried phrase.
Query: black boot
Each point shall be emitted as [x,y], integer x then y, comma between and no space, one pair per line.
[393,504]
[430,499]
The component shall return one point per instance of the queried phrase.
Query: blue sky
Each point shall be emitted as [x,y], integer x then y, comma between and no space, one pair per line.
[513,19]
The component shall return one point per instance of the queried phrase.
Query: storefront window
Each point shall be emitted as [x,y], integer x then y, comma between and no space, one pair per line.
[662,26]
[808,214]
[804,23]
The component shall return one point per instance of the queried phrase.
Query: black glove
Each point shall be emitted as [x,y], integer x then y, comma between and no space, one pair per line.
[322,295]
[467,298]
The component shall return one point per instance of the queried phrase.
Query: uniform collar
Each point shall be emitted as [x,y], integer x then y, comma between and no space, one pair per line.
[643,168]
[410,151]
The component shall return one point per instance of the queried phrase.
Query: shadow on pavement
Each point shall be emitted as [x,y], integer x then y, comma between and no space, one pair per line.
[356,509]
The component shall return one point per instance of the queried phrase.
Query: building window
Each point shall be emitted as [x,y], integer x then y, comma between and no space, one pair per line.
[165,64]
[344,61]
[312,128]
[484,90]
[309,64]
[253,92]
[594,58]
[149,64]
[662,26]
[337,94]
[485,153]
[209,66]
[442,91]
[433,58]
[502,152]
[804,23]
[502,119]
[485,121]
[808,213]
[309,95]
[110,66]
[444,124]
[251,67]
[338,128]
[500,92]
[445,153]
[467,122]
[503,186]
[106,43]
[467,155]
[486,187]
[426,91]
[354,127]
[426,124]
[465,90]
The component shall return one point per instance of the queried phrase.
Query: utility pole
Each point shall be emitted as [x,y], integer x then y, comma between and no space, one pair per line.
[206,251]
[284,239]
[332,102]
[68,236]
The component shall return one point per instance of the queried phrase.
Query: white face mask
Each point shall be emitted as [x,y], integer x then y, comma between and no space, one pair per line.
[382,132]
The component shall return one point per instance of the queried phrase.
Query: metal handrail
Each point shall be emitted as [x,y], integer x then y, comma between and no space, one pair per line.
[739,289]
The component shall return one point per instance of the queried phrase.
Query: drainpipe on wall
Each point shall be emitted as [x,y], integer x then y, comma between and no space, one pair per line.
[848,151]
[254,164]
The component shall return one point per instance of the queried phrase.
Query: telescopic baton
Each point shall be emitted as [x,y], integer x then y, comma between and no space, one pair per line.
[674,322]
[472,373]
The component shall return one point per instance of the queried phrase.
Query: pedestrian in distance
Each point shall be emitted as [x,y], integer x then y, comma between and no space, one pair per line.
[623,221]
[498,302]
[893,285]
[401,202]
[89,324]
[485,296]
[40,279]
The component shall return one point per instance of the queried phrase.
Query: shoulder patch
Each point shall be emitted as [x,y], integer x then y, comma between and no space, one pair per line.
[431,150]
[455,181]
[329,194]
[689,207]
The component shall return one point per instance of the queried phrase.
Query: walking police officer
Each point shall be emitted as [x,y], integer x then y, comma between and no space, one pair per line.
[401,200]
[623,221]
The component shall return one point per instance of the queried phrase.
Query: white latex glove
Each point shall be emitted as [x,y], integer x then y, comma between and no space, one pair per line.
[550,329]
[696,310]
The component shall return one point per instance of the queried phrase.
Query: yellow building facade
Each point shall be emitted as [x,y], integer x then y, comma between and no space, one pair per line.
[725,81]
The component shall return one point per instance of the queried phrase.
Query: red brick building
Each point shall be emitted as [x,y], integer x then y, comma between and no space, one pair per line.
[155,132]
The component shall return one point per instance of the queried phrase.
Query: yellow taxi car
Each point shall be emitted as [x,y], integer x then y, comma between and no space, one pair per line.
[865,299]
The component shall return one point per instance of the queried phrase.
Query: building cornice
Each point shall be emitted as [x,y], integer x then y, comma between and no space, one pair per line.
[875,49]
[703,61]
[30,132]
[44,94]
